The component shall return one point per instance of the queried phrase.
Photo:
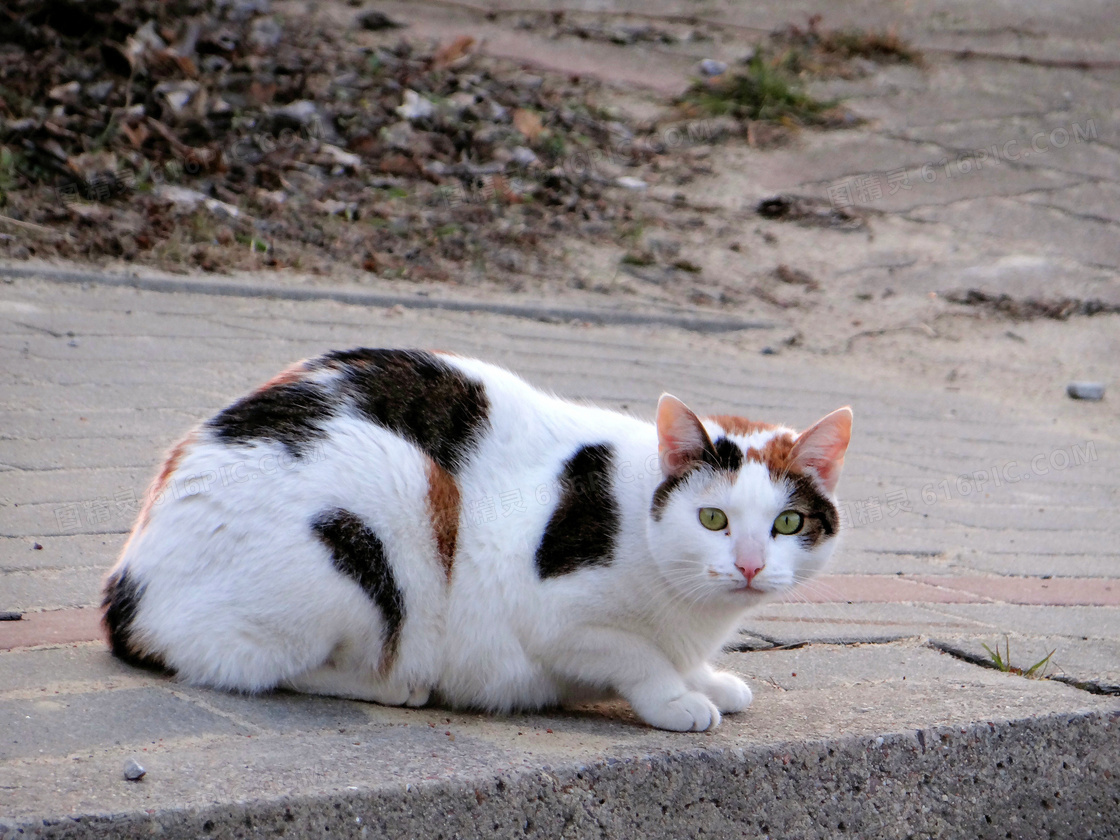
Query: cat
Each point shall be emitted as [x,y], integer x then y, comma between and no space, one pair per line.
[400,525]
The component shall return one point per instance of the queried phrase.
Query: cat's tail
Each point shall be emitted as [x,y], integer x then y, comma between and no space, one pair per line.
[120,601]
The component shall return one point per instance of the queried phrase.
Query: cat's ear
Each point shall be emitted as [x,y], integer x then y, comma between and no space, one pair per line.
[681,438]
[820,449]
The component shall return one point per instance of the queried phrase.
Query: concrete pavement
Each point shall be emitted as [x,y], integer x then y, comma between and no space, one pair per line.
[970,522]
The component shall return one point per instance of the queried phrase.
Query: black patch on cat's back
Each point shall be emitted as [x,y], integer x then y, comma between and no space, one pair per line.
[583,529]
[420,397]
[120,601]
[821,519]
[357,553]
[291,413]
[722,455]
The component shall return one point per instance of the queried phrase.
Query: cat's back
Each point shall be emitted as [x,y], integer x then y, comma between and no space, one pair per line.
[389,468]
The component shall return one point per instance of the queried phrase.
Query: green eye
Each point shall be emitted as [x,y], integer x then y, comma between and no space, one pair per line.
[788,522]
[713,519]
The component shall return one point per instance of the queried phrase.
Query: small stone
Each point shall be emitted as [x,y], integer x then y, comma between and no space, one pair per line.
[100,91]
[133,770]
[523,156]
[215,64]
[67,94]
[302,111]
[341,157]
[36,546]
[376,21]
[399,136]
[1086,390]
[460,101]
[630,183]
[265,33]
[710,67]
[498,112]
[415,107]
[11,616]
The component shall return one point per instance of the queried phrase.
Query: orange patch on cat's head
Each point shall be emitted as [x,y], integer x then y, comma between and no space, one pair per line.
[775,454]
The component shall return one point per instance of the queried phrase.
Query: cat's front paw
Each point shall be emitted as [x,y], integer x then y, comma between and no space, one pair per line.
[691,712]
[728,692]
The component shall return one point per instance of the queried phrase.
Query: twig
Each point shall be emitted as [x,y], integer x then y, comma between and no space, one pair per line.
[28,225]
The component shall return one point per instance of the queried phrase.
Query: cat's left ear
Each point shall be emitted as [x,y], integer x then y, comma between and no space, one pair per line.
[820,449]
[681,437]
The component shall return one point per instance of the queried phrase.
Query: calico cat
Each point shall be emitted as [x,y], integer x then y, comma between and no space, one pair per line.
[392,525]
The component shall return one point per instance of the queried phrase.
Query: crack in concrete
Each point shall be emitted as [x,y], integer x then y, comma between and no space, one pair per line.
[1089,686]
[1065,211]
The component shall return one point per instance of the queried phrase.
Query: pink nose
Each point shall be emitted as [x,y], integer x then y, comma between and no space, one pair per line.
[750,566]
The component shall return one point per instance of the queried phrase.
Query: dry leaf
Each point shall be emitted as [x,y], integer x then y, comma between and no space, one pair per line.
[136,134]
[528,123]
[454,52]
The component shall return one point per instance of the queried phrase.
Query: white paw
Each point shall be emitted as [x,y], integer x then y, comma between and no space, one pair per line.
[691,712]
[728,692]
[418,696]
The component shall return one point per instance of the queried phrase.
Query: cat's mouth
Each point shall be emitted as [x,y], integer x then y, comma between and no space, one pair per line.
[749,588]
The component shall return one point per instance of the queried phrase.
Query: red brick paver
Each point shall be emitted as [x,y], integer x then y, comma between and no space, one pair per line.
[877,589]
[52,627]
[1058,592]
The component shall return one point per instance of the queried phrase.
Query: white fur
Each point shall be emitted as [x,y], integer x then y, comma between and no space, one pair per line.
[240,594]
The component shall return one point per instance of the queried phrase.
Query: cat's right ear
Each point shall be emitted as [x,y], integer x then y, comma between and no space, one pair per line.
[681,438]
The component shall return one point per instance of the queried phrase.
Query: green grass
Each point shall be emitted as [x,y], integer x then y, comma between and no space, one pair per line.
[1002,661]
[763,90]
[8,170]
[637,258]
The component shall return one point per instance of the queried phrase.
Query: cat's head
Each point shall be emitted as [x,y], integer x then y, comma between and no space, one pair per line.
[744,509]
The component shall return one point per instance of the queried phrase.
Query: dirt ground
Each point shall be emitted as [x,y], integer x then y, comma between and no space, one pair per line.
[953,217]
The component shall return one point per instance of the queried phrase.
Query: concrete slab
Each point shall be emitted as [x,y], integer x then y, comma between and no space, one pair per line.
[308,763]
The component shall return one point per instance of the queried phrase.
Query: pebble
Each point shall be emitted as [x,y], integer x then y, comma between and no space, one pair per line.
[523,156]
[710,67]
[415,106]
[265,33]
[376,21]
[133,770]
[1086,390]
[343,158]
[67,94]
[100,91]
[302,111]
[630,183]
[399,136]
